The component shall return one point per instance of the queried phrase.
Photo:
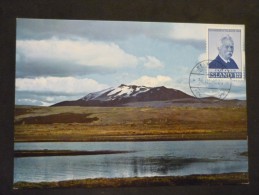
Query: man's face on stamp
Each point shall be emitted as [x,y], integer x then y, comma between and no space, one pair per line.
[226,49]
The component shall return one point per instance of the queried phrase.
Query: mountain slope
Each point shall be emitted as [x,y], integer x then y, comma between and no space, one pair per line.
[126,94]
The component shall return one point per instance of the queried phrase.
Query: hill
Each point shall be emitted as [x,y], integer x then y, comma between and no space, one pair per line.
[125,95]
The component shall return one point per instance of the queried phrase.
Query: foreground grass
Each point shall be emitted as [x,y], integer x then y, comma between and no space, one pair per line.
[129,124]
[212,179]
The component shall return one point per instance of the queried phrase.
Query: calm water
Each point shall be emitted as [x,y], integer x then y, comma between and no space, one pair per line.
[169,158]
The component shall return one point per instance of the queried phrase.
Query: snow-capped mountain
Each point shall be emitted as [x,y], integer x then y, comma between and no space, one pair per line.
[124,94]
[123,91]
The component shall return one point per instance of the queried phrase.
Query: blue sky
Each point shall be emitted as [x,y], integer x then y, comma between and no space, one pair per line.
[59,60]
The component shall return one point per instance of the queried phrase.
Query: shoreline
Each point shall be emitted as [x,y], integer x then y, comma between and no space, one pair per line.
[46,152]
[208,179]
[160,140]
[39,153]
[137,139]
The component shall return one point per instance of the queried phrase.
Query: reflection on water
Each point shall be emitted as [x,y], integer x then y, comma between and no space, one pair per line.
[150,159]
[164,165]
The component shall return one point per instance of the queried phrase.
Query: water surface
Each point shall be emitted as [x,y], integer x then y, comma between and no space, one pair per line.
[165,158]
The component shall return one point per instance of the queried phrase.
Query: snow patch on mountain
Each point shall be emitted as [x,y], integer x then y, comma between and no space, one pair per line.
[95,95]
[123,91]
[141,90]
[127,91]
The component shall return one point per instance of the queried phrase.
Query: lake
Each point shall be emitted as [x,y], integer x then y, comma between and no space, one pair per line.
[147,159]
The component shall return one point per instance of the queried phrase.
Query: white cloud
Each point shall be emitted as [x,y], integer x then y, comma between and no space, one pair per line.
[83,52]
[161,80]
[239,83]
[43,99]
[188,31]
[238,90]
[240,96]
[26,101]
[152,62]
[148,81]
[65,85]
[203,57]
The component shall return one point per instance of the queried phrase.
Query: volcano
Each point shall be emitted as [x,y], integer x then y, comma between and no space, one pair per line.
[123,95]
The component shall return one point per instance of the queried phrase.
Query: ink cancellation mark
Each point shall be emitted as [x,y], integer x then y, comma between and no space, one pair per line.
[204,87]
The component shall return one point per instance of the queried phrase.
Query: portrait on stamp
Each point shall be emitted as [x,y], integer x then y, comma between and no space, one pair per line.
[224,47]
[223,59]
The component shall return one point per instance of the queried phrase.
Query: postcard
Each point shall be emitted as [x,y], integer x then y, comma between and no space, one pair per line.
[122,103]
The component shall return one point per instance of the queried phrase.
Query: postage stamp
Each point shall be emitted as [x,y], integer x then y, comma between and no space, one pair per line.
[225,49]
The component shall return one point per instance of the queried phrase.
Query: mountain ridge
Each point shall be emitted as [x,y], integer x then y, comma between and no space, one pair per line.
[124,94]
[142,96]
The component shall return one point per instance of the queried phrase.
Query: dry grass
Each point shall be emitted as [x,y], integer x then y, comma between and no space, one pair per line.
[128,124]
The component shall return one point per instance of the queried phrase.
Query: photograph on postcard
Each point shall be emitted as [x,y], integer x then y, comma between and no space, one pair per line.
[121,103]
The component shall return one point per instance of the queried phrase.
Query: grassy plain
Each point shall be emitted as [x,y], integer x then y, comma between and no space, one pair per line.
[129,123]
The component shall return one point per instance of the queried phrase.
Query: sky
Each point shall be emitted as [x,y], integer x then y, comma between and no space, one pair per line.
[58,60]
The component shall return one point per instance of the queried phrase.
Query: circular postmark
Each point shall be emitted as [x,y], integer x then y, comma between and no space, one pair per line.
[205,88]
